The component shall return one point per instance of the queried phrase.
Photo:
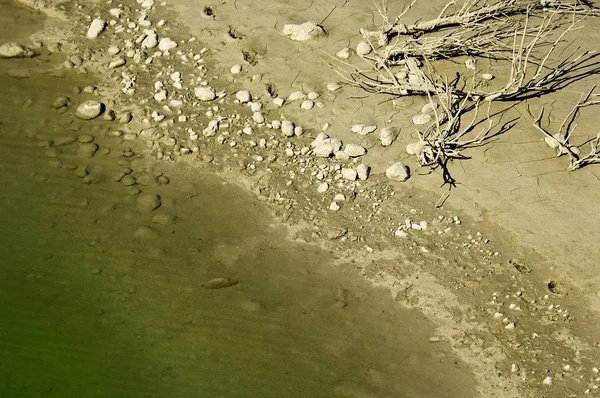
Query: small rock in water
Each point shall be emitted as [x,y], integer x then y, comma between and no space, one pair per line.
[487,76]
[398,172]
[87,150]
[148,201]
[60,102]
[16,50]
[333,86]
[164,219]
[96,27]
[303,32]
[363,48]
[89,110]
[219,283]
[251,305]
[145,232]
[205,93]
[235,69]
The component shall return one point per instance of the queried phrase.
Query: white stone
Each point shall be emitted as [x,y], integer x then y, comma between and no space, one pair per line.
[166,44]
[151,39]
[340,155]
[349,174]
[235,69]
[302,32]
[487,76]
[363,129]
[307,105]
[400,233]
[339,197]
[16,50]
[324,150]
[398,172]
[428,107]
[276,124]
[287,128]
[115,12]
[422,118]
[319,139]
[147,3]
[547,381]
[205,93]
[386,136]
[471,64]
[255,106]
[117,62]
[354,150]
[334,206]
[258,117]
[363,171]
[323,187]
[243,96]
[296,96]
[363,48]
[415,148]
[279,101]
[96,27]
[114,50]
[89,110]
[298,131]
[161,95]
[344,53]
[333,86]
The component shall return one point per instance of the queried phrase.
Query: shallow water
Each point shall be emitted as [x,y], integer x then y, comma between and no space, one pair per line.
[93,306]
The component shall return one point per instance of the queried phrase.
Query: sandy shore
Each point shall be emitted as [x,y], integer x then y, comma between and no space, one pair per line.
[504,269]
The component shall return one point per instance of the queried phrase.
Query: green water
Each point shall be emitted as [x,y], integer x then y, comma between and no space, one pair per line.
[88,308]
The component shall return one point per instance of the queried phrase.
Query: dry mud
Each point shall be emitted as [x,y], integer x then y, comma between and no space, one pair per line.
[140,258]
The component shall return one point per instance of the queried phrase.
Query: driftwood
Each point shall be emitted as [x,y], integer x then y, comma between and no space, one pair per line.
[529,36]
[560,141]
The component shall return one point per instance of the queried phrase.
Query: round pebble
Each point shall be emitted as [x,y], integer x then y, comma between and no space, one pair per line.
[148,201]
[89,110]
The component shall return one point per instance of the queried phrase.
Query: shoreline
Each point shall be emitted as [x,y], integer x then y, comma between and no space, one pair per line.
[448,238]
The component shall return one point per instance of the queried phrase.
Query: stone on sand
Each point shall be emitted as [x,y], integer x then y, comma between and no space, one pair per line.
[166,44]
[205,93]
[148,201]
[354,150]
[89,110]
[303,32]
[398,172]
[16,50]
[386,136]
[96,27]
[151,39]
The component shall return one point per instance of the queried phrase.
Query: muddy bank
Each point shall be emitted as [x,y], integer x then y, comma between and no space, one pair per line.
[123,275]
